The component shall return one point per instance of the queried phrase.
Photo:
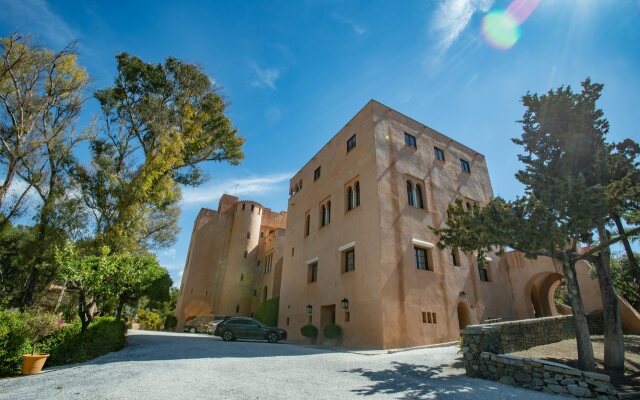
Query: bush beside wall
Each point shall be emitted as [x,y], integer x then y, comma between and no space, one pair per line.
[12,342]
[267,313]
[69,345]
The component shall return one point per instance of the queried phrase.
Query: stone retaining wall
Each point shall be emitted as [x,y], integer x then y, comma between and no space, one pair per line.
[545,376]
[484,348]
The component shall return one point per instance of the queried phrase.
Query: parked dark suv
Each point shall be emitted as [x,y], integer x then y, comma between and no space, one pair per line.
[248,328]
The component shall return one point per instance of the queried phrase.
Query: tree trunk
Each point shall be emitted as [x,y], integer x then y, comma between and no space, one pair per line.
[30,287]
[121,302]
[586,359]
[81,311]
[627,247]
[32,280]
[613,338]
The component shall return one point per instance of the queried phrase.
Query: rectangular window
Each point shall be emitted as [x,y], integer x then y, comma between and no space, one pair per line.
[349,260]
[316,174]
[424,317]
[464,164]
[410,140]
[422,259]
[293,251]
[313,272]
[351,143]
[310,319]
[455,256]
[439,154]
[429,317]
[237,309]
[347,316]
[287,321]
[433,317]
[482,271]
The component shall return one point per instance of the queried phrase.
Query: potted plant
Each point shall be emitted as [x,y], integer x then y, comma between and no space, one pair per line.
[332,333]
[37,326]
[310,332]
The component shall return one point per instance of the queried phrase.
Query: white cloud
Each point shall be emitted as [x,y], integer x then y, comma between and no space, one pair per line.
[238,186]
[357,28]
[265,77]
[35,16]
[453,16]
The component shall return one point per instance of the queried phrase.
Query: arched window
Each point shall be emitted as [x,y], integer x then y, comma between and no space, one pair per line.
[252,207]
[307,225]
[410,195]
[350,199]
[323,214]
[357,193]
[419,202]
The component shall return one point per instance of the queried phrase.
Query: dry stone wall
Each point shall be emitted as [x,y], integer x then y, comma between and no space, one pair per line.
[484,348]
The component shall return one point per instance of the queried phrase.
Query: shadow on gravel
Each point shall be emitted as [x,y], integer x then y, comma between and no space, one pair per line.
[163,347]
[413,381]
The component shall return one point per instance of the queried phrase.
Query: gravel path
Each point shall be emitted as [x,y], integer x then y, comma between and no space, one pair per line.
[180,366]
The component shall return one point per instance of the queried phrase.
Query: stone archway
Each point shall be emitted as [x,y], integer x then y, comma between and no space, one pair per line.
[540,290]
[464,317]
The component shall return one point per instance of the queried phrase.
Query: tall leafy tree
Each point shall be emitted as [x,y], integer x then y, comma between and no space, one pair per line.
[575,183]
[161,122]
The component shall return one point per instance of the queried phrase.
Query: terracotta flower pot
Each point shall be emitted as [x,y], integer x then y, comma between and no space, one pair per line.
[32,364]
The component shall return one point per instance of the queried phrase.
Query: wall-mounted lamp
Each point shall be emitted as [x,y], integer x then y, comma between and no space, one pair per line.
[309,309]
[344,304]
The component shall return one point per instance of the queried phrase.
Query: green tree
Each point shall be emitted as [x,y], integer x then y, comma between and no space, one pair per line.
[584,179]
[161,122]
[41,94]
[92,277]
[624,280]
[574,183]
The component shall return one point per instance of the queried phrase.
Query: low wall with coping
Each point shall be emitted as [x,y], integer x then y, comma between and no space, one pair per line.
[484,348]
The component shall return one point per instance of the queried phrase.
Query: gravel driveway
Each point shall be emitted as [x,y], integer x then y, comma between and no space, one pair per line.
[180,366]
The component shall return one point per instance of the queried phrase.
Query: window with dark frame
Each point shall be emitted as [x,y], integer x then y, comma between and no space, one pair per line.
[307,224]
[464,164]
[349,260]
[422,259]
[439,154]
[484,274]
[313,272]
[351,143]
[410,140]
[316,174]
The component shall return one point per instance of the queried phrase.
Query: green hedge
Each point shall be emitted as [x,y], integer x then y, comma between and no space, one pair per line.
[12,342]
[267,313]
[309,331]
[332,331]
[69,345]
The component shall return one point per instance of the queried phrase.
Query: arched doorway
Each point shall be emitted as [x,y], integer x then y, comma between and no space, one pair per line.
[464,318]
[540,290]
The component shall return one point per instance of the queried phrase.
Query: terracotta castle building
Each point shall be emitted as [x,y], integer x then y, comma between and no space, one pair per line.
[354,247]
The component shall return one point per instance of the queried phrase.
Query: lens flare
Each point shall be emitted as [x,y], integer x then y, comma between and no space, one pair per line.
[501,28]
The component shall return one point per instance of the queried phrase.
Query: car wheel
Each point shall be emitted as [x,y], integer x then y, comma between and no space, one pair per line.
[272,337]
[227,336]
[192,330]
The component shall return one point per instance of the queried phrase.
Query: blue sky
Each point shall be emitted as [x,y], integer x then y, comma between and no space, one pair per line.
[294,72]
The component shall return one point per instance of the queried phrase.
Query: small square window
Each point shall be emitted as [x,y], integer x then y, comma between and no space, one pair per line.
[351,143]
[316,174]
[313,272]
[410,140]
[439,153]
[423,259]
[464,164]
[349,260]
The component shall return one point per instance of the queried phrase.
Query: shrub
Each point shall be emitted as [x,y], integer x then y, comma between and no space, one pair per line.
[39,325]
[309,331]
[12,342]
[150,320]
[267,313]
[170,322]
[332,331]
[69,345]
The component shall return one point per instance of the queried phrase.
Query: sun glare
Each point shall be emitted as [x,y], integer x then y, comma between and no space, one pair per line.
[501,28]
